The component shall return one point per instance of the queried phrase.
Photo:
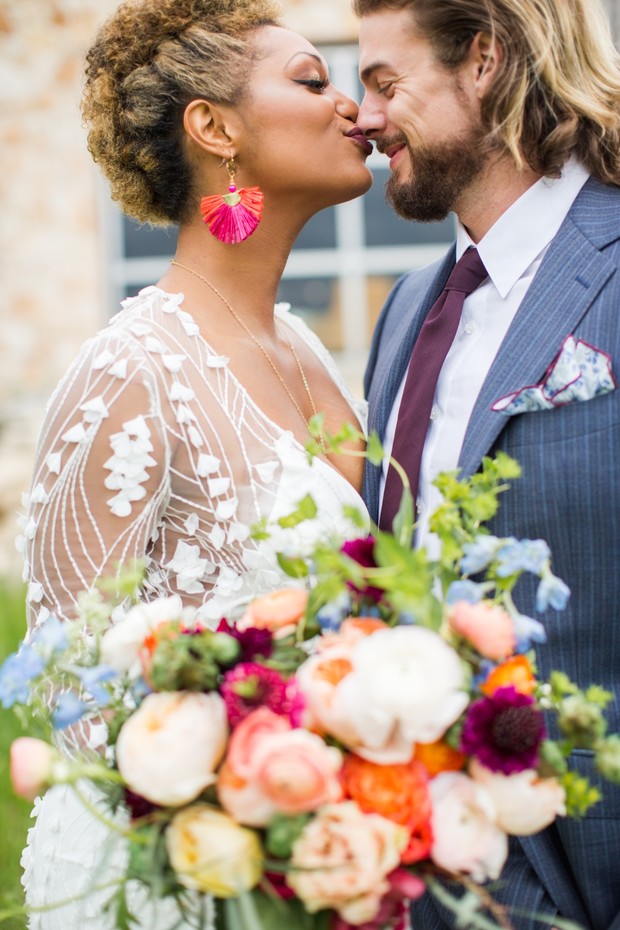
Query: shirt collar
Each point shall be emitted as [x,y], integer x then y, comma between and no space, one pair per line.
[526,228]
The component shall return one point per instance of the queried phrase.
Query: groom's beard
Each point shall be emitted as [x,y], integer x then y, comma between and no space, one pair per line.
[440,174]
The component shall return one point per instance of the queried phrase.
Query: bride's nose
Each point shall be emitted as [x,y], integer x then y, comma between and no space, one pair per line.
[346,106]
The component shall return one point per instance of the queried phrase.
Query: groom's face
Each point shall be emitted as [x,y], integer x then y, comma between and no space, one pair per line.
[423,116]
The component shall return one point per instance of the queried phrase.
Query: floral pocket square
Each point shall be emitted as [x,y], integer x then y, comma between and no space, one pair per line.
[579,372]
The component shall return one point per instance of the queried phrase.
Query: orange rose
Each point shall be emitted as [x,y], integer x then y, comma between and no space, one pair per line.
[439,757]
[396,792]
[515,671]
[279,612]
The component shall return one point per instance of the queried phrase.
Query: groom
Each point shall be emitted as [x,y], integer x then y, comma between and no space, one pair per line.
[507,112]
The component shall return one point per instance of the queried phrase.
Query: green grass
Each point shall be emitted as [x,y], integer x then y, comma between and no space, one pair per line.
[14,813]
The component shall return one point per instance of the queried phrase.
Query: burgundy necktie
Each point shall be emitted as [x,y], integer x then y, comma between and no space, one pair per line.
[429,352]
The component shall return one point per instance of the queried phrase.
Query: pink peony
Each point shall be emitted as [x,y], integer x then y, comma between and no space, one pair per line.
[272,768]
[297,771]
[342,860]
[32,766]
[248,736]
[466,837]
[488,628]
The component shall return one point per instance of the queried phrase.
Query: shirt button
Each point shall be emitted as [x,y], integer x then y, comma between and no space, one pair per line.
[470,327]
[434,412]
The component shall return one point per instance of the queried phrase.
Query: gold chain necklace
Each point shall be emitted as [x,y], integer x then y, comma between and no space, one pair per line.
[259,345]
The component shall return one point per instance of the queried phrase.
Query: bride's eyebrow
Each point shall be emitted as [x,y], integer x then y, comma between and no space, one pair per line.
[316,57]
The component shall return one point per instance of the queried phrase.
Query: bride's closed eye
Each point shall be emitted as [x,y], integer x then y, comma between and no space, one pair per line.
[318,84]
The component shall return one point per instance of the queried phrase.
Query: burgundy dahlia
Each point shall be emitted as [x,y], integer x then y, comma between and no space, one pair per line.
[362,551]
[253,642]
[504,731]
[250,685]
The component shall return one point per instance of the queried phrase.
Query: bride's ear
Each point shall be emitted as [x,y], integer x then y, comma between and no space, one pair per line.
[210,127]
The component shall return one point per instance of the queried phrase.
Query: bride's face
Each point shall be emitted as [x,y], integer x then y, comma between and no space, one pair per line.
[298,132]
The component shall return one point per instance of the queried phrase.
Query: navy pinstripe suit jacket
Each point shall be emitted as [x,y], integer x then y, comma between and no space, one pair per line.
[569,495]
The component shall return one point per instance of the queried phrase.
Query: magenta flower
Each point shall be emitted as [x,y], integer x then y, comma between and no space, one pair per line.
[362,551]
[504,731]
[253,642]
[250,685]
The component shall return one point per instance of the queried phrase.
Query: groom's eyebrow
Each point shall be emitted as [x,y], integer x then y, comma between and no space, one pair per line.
[369,70]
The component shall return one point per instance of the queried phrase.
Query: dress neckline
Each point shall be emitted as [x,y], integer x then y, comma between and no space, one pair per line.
[283,316]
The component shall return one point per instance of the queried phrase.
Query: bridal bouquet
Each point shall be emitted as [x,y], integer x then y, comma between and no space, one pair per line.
[371,733]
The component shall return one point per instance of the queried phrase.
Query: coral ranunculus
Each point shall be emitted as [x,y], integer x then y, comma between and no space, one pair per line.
[397,792]
[515,671]
[439,757]
[279,612]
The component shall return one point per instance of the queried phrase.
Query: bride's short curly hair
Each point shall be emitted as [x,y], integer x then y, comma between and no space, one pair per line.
[149,60]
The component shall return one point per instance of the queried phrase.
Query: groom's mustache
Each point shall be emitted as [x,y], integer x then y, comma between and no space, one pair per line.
[385,142]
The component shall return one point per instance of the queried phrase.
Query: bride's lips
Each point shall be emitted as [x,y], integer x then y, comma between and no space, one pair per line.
[358,136]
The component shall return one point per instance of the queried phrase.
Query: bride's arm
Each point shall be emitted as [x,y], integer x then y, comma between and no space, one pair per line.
[101,475]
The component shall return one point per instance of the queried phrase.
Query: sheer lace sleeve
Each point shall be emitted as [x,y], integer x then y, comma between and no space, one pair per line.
[101,474]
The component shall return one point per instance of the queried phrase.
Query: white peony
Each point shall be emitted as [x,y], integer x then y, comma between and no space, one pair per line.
[524,802]
[407,675]
[121,644]
[168,751]
[466,836]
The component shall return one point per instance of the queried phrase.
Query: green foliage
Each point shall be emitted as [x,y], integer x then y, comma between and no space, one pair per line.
[14,812]
[306,509]
[191,662]
[469,503]
[282,832]
[580,795]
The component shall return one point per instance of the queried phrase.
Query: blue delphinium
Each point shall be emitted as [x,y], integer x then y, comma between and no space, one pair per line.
[479,554]
[68,710]
[93,678]
[16,673]
[522,555]
[465,590]
[552,592]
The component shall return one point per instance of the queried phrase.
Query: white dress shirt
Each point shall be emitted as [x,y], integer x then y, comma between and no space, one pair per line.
[511,251]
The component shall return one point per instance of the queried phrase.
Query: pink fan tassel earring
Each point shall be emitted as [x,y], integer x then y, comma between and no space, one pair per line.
[234,216]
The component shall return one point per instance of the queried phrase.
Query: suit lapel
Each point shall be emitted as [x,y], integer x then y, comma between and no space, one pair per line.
[568,281]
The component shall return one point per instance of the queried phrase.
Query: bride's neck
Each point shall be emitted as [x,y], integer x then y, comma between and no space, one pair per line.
[247,273]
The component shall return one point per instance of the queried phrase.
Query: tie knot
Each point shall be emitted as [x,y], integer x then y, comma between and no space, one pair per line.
[467,274]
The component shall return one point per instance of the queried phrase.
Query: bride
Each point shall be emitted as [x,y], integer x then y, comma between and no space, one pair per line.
[183,423]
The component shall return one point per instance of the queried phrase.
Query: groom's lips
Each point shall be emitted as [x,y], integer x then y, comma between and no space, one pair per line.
[392,151]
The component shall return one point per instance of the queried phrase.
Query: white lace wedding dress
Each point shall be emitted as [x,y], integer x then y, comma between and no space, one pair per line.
[152,449]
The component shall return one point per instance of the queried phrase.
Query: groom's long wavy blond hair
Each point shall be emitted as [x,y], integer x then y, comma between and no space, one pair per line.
[557,88]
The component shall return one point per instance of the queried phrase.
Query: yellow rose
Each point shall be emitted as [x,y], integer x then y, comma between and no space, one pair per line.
[210,852]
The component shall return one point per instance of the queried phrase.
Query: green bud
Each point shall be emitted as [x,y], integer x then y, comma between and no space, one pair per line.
[608,758]
[224,648]
[582,722]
